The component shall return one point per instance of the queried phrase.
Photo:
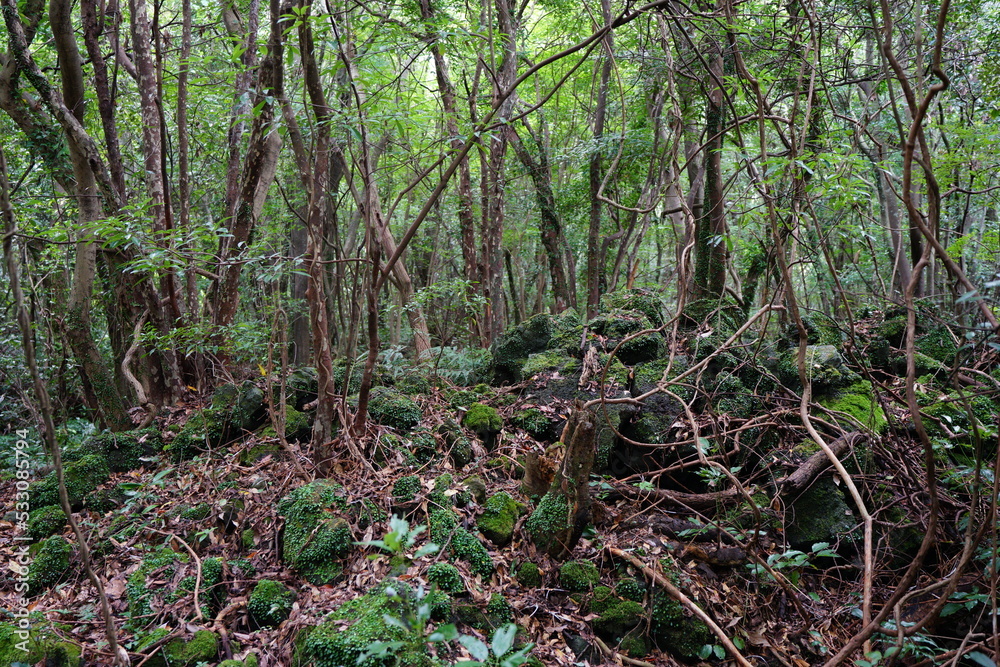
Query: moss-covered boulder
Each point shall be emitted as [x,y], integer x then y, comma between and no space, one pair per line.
[528,575]
[630,589]
[103,501]
[37,643]
[393,408]
[644,301]
[444,529]
[673,630]
[49,565]
[535,423]
[616,617]
[458,445]
[406,488]
[201,648]
[302,386]
[819,514]
[824,367]
[270,603]
[499,515]
[45,522]
[140,590]
[859,403]
[316,537]
[81,476]
[446,577]
[124,451]
[485,422]
[511,349]
[296,427]
[345,634]
[579,575]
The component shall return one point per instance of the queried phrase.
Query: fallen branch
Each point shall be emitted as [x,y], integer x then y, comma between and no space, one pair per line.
[679,595]
[701,502]
[817,463]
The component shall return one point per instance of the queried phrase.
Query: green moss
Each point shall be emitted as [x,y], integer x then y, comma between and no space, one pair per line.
[38,644]
[647,347]
[123,451]
[45,522]
[510,350]
[534,422]
[619,323]
[447,578]
[673,631]
[103,501]
[406,488]
[315,537]
[499,515]
[346,633]
[270,603]
[618,618]
[858,401]
[819,514]
[529,575]
[203,647]
[482,419]
[630,589]
[634,645]
[549,518]
[392,408]
[258,451]
[463,544]
[414,382]
[499,611]
[160,566]
[641,300]
[439,495]
[50,564]
[477,487]
[550,360]
[197,513]
[81,477]
[579,575]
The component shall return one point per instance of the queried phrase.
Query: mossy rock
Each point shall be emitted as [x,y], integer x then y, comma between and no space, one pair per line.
[258,451]
[103,501]
[498,611]
[124,451]
[641,349]
[203,647]
[550,361]
[446,577]
[414,381]
[392,408]
[819,514]
[579,575]
[483,420]
[511,349]
[476,487]
[499,515]
[302,386]
[316,538]
[270,603]
[406,488]
[535,423]
[820,330]
[463,544]
[529,575]
[45,522]
[630,589]
[858,400]
[37,643]
[673,630]
[824,367]
[641,300]
[205,429]
[81,477]
[548,520]
[49,564]
[617,618]
[346,633]
[441,494]
[160,565]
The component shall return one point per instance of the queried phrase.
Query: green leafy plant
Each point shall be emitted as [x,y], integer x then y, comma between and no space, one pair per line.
[792,562]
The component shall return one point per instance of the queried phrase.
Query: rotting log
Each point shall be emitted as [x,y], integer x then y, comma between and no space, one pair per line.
[803,476]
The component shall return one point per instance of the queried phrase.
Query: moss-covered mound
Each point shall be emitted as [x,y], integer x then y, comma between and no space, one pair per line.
[446,577]
[50,564]
[819,514]
[579,575]
[81,476]
[45,522]
[124,451]
[529,575]
[497,521]
[511,349]
[406,488]
[444,529]
[270,603]
[859,402]
[202,648]
[316,538]
[392,408]
[37,644]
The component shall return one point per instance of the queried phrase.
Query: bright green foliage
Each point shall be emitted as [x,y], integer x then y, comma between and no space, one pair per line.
[42,644]
[392,408]
[512,348]
[330,644]
[203,647]
[579,575]
[447,578]
[81,476]
[482,419]
[498,518]
[49,565]
[858,401]
[270,603]
[406,488]
[630,589]
[45,522]
[550,517]
[315,539]
[528,574]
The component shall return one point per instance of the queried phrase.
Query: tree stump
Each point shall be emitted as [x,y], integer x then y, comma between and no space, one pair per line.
[564,511]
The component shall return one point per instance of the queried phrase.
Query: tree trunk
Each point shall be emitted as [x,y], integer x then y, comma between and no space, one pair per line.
[595,259]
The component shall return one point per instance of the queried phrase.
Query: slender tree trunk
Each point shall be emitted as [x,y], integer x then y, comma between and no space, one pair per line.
[595,270]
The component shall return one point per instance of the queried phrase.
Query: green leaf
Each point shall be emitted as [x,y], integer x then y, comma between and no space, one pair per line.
[503,639]
[478,649]
[444,633]
[980,659]
[971,295]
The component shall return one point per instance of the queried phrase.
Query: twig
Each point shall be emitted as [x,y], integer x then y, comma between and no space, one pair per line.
[679,595]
